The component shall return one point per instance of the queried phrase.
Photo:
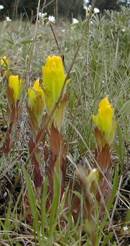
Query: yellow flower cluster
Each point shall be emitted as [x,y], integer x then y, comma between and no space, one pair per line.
[48,92]
[40,95]
[48,95]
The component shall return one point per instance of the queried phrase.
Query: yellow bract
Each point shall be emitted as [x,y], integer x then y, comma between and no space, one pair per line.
[53,80]
[4,61]
[36,103]
[15,86]
[105,120]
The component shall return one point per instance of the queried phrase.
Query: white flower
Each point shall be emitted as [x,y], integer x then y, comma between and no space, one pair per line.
[1,7]
[123,29]
[51,19]
[125,228]
[42,15]
[86,2]
[8,19]
[96,11]
[74,21]
[87,8]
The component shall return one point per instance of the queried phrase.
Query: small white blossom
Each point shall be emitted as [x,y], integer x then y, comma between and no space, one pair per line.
[8,19]
[86,2]
[87,8]
[96,11]
[52,19]
[123,29]
[1,7]
[42,15]
[74,21]
[125,228]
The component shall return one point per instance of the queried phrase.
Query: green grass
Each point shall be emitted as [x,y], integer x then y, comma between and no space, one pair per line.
[102,67]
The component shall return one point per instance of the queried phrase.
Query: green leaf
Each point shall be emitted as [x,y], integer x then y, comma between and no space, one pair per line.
[55,202]
[33,203]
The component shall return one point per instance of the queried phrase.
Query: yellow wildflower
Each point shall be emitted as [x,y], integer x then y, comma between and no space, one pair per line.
[15,86]
[54,77]
[36,103]
[105,120]
[53,80]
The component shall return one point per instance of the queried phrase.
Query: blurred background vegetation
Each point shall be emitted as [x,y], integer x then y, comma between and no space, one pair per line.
[65,8]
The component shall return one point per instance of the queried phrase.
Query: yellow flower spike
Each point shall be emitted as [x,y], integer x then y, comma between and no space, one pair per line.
[53,80]
[105,120]
[36,103]
[15,86]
